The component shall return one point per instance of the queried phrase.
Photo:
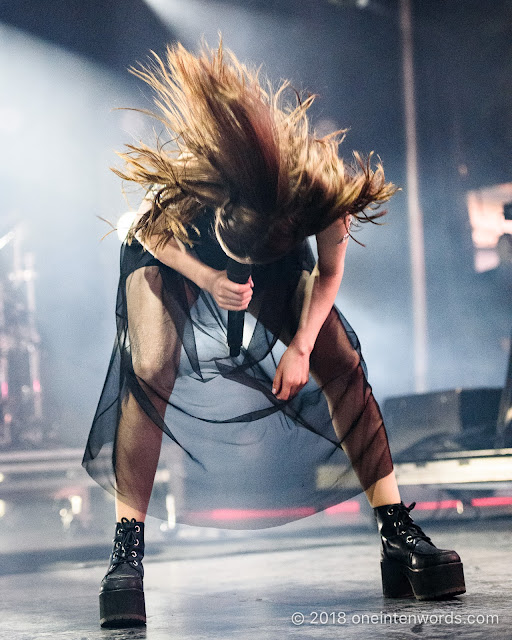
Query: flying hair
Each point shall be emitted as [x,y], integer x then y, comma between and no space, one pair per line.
[247,151]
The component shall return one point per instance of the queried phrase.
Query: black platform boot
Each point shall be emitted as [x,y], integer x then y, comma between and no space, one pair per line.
[411,564]
[121,590]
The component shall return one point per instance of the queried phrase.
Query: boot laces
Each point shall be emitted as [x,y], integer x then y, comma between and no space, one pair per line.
[411,528]
[125,540]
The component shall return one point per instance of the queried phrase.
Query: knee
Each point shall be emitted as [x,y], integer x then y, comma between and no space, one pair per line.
[155,375]
[333,354]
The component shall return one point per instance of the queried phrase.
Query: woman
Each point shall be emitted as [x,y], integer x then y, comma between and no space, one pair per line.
[246,179]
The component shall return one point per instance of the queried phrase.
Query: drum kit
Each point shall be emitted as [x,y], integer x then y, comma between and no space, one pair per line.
[21,411]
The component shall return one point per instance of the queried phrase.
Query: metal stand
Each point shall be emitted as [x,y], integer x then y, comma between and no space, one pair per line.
[21,409]
[504,424]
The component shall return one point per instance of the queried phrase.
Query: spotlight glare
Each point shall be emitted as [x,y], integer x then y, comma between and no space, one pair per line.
[76,504]
[124,223]
[170,505]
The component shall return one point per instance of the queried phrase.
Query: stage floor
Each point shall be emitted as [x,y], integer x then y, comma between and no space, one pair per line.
[250,588]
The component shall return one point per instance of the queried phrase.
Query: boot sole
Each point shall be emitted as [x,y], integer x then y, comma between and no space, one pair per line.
[122,608]
[439,582]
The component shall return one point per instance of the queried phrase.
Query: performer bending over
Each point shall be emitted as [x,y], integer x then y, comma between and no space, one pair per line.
[246,178]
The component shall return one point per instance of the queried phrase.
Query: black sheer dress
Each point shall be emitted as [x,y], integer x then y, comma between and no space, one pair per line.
[235,456]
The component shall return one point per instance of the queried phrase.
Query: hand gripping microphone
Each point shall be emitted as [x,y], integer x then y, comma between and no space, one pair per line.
[239,273]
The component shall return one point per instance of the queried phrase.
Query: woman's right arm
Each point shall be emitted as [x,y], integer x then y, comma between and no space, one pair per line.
[228,295]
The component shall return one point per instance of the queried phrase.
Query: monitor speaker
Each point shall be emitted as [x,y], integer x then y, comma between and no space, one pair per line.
[421,425]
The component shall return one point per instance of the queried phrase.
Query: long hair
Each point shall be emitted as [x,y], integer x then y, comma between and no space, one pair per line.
[248,152]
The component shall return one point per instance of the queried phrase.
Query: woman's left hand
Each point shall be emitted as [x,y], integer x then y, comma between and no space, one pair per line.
[292,373]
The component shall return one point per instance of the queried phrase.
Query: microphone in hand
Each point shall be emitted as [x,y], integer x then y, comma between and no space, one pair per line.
[239,273]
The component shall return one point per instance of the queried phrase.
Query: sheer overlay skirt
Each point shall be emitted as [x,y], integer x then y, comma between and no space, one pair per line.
[233,455]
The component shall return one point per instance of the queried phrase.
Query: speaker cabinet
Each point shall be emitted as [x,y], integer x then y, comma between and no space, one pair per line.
[421,425]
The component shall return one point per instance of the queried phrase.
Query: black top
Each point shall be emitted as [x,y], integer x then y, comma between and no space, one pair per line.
[206,244]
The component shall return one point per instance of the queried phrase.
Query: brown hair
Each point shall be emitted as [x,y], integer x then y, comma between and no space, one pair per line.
[244,150]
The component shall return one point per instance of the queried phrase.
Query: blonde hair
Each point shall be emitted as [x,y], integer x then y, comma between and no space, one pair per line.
[246,151]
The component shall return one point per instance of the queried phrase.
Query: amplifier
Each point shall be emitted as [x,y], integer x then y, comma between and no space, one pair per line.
[420,425]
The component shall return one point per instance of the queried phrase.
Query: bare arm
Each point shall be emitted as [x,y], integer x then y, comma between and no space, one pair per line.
[321,289]
[227,294]
[322,286]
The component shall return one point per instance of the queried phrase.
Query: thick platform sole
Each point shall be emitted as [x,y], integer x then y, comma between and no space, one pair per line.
[122,608]
[440,582]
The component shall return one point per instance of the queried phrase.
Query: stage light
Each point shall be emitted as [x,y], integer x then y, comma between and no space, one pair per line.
[240,25]
[170,505]
[76,504]
[359,4]
[124,223]
[486,209]
[4,240]
[349,506]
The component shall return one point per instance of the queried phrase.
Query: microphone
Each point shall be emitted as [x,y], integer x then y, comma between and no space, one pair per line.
[239,273]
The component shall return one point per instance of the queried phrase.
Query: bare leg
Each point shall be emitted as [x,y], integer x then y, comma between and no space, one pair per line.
[355,414]
[384,491]
[138,451]
[356,417]
[155,350]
